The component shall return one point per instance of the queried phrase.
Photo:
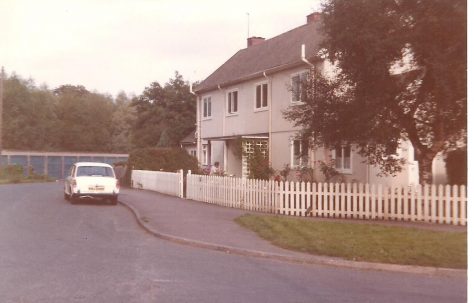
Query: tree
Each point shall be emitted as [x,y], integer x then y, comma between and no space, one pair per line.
[400,75]
[123,118]
[165,115]
[29,116]
[85,119]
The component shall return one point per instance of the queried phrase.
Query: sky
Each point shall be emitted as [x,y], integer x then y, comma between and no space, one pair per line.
[114,45]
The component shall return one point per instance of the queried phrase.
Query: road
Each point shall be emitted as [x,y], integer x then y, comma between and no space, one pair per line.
[52,251]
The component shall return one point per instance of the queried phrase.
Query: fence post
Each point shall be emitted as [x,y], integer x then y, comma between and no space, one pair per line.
[181,183]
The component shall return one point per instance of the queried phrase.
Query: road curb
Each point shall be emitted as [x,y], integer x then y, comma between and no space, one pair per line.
[314,260]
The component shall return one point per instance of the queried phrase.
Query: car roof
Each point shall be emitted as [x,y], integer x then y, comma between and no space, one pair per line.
[92,164]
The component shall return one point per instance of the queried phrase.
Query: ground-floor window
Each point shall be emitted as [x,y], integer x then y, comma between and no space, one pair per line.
[343,158]
[299,153]
[205,154]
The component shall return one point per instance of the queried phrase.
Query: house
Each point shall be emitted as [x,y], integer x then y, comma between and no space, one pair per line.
[239,110]
[188,143]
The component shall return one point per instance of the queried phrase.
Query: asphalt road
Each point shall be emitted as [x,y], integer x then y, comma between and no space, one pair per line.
[52,251]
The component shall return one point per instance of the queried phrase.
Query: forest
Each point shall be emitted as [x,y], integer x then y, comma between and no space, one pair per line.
[72,118]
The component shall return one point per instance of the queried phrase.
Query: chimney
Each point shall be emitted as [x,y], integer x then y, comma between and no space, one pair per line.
[314,17]
[254,41]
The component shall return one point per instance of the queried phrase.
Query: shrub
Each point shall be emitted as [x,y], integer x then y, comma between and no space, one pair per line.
[160,159]
[456,166]
[259,167]
[13,173]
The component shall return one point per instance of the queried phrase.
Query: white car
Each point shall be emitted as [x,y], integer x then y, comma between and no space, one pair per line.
[88,180]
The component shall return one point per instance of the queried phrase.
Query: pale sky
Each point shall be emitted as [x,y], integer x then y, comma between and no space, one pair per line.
[113,45]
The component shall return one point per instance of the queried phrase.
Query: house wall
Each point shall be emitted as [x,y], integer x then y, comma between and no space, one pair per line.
[234,163]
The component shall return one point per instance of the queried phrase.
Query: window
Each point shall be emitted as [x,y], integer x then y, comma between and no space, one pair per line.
[96,171]
[297,86]
[342,157]
[204,154]
[232,102]
[261,96]
[299,153]
[206,107]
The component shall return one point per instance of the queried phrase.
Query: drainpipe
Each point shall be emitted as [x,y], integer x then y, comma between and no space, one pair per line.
[198,125]
[223,128]
[270,88]
[303,56]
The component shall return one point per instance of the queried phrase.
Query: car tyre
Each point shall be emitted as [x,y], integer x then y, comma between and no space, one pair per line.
[114,200]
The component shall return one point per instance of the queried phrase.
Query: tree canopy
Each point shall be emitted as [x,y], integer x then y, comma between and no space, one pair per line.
[72,118]
[400,74]
[165,114]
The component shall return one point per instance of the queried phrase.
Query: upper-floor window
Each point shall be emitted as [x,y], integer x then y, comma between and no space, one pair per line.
[261,96]
[343,158]
[299,153]
[206,107]
[232,102]
[297,86]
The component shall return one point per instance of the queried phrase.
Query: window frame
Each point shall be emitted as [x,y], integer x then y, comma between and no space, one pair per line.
[261,108]
[301,163]
[342,169]
[206,109]
[234,102]
[205,150]
[300,76]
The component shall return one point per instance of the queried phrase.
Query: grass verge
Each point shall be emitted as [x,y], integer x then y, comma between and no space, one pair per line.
[363,242]
[26,180]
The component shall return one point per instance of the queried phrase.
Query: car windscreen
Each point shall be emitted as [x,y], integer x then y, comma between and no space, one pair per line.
[96,171]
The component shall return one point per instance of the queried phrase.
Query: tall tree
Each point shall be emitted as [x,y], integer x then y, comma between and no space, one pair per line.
[165,115]
[400,75]
[123,119]
[85,119]
[29,116]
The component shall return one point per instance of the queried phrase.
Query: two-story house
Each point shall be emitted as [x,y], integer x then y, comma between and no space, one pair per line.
[240,106]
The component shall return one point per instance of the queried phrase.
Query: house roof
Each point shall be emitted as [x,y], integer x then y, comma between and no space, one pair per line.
[189,139]
[275,54]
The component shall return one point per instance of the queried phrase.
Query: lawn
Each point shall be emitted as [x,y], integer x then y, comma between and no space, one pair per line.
[363,241]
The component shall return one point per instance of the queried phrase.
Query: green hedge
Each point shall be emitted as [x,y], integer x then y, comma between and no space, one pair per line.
[160,159]
[456,166]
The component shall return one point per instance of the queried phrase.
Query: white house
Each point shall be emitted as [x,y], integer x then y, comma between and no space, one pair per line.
[241,103]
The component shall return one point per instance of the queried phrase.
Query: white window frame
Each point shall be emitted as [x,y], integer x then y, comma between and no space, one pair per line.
[300,75]
[206,110]
[300,163]
[204,154]
[261,108]
[343,170]
[231,111]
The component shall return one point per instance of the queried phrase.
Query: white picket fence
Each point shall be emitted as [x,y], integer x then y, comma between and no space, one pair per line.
[257,195]
[163,182]
[436,204]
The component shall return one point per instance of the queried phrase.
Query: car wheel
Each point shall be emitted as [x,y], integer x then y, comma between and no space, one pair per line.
[72,199]
[114,200]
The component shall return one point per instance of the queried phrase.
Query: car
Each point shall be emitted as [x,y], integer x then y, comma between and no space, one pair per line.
[91,180]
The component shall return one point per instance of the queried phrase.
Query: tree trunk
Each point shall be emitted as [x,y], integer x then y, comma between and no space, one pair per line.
[425,165]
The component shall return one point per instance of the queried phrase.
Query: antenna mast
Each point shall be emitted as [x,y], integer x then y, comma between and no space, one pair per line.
[248,25]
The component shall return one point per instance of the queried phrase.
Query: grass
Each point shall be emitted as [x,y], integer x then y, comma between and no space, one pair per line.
[25,180]
[363,242]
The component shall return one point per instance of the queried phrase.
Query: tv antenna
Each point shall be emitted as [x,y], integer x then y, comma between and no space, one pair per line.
[248,25]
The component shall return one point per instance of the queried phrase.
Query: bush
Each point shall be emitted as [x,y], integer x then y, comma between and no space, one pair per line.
[160,159]
[14,173]
[259,167]
[456,166]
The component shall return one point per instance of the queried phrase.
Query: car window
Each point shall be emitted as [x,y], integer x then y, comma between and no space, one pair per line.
[96,171]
